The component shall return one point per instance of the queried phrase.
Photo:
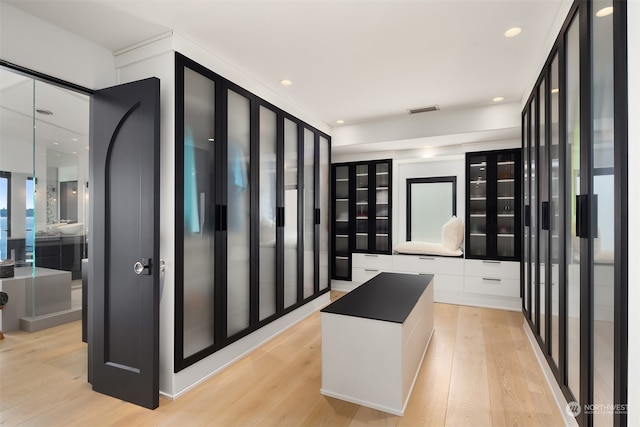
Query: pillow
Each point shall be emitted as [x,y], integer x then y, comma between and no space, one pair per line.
[453,233]
[425,248]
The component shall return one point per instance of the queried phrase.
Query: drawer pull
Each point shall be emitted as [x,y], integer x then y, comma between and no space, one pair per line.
[491,262]
[489,279]
[371,256]
[427,258]
[369,270]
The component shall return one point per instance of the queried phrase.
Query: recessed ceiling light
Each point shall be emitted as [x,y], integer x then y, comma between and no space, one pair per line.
[74,152]
[87,147]
[605,11]
[512,32]
[339,122]
[498,99]
[211,140]
[74,139]
[286,82]
[56,143]
[555,90]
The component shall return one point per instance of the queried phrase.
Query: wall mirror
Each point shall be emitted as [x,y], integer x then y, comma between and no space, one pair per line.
[431,202]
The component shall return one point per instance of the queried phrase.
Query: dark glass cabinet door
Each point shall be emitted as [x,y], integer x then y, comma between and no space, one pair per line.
[361,212]
[341,259]
[493,205]
[251,204]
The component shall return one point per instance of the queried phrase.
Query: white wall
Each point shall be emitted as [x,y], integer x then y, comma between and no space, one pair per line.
[633,49]
[456,126]
[38,45]
[423,168]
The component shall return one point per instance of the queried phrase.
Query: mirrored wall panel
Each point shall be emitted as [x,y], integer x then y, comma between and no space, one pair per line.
[44,199]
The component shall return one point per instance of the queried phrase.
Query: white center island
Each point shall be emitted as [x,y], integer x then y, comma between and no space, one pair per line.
[374,340]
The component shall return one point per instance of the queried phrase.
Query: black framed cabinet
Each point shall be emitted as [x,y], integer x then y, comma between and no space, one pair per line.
[361,212]
[252,212]
[493,205]
[574,274]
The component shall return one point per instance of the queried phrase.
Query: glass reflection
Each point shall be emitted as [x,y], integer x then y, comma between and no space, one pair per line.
[267,198]
[571,177]
[238,208]
[543,197]
[309,214]
[290,213]
[44,131]
[325,183]
[602,151]
[554,212]
[199,150]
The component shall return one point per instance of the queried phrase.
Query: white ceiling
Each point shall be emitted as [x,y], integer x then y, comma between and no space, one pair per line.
[354,60]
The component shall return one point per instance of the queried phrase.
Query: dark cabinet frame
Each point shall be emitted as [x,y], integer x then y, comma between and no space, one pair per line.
[218,221]
[581,14]
[492,205]
[371,210]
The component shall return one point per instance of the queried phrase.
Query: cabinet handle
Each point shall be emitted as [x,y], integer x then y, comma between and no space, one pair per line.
[489,279]
[427,258]
[369,270]
[545,216]
[491,262]
[371,256]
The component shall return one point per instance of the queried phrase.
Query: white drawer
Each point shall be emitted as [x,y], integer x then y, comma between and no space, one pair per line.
[359,274]
[492,269]
[380,262]
[449,283]
[428,264]
[492,286]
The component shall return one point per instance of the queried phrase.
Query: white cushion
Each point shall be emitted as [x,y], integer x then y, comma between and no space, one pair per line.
[425,248]
[453,233]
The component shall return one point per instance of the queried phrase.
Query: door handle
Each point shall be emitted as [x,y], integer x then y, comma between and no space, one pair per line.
[141,266]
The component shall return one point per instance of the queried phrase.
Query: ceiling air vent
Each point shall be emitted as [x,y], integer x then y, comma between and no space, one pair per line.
[424,109]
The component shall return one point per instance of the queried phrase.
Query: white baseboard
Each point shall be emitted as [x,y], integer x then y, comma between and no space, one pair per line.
[569,420]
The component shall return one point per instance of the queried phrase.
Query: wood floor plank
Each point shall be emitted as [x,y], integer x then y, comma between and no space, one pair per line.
[479,369]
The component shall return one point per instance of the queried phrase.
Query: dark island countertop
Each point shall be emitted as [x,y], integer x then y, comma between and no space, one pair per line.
[389,297]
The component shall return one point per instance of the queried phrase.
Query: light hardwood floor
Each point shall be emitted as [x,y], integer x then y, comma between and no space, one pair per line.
[479,370]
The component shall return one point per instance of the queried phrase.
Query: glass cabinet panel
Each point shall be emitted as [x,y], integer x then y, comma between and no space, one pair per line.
[290,213]
[238,209]
[324,183]
[341,225]
[477,190]
[603,234]
[533,156]
[527,203]
[493,197]
[267,199]
[199,203]
[362,207]
[309,214]
[543,198]
[554,211]
[506,219]
[382,207]
[572,186]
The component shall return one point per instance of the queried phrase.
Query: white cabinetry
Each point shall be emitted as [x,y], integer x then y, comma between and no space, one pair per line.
[497,282]
[484,283]
[448,273]
[367,266]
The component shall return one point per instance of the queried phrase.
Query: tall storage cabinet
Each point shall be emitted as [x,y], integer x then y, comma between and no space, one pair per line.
[252,216]
[361,212]
[493,205]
